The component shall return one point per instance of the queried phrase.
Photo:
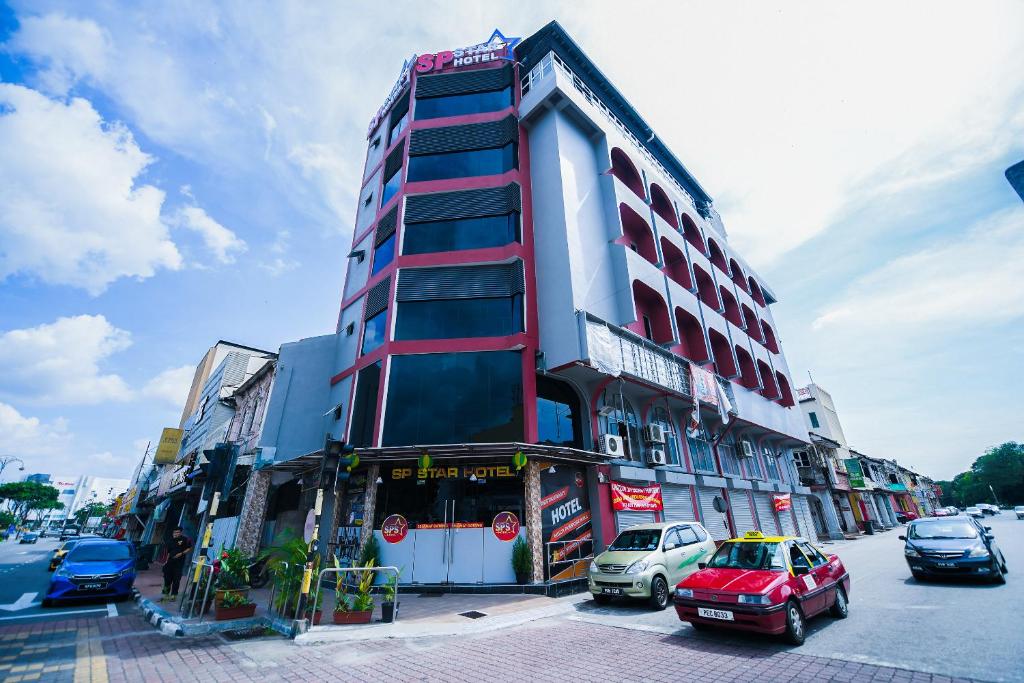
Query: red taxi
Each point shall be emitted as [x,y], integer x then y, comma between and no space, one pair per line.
[767,584]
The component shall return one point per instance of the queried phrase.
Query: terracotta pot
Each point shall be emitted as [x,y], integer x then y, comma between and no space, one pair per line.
[240,612]
[218,596]
[317,615]
[353,617]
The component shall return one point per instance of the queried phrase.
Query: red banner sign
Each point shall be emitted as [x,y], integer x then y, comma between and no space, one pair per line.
[505,526]
[552,498]
[394,529]
[572,525]
[636,498]
[782,502]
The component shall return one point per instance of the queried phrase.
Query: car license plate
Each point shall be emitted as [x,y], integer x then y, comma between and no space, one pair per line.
[722,614]
[612,591]
[945,564]
[91,586]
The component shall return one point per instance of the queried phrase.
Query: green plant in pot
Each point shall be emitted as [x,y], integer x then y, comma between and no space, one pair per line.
[389,606]
[234,605]
[522,560]
[233,575]
[360,609]
[287,561]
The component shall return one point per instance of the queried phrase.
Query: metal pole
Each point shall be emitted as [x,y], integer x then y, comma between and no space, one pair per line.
[311,550]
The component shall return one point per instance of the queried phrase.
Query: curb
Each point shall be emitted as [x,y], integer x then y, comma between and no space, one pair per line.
[169,625]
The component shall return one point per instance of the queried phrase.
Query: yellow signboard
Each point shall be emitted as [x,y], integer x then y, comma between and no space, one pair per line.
[170,443]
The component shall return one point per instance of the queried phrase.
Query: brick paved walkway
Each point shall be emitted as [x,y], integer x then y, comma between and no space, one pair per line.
[122,649]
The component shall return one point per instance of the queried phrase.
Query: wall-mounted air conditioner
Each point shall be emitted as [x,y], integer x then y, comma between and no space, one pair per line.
[748,449]
[656,456]
[654,433]
[611,445]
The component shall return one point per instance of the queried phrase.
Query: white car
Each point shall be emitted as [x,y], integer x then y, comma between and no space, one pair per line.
[974,512]
[1019,510]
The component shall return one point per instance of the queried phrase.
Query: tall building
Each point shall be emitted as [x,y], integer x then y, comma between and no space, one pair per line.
[77,492]
[537,295]
[213,357]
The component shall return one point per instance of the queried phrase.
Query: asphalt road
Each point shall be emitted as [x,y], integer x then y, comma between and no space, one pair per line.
[23,582]
[950,627]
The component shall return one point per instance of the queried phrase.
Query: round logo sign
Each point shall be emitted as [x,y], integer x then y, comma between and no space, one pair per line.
[394,529]
[579,480]
[505,526]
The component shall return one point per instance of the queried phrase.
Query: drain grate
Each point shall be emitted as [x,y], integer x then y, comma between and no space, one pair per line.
[472,614]
[431,595]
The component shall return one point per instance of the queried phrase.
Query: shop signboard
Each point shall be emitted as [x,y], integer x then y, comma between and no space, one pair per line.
[566,520]
[394,529]
[505,526]
[170,444]
[897,487]
[636,498]
[782,502]
[856,472]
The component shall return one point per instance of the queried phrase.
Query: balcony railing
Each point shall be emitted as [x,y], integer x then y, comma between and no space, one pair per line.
[616,351]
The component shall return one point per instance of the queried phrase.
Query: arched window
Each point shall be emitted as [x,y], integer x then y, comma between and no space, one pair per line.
[737,275]
[558,414]
[771,389]
[769,338]
[637,234]
[662,206]
[748,373]
[621,421]
[652,321]
[786,395]
[624,170]
[717,257]
[724,363]
[732,311]
[691,337]
[753,326]
[692,234]
[675,264]
[660,416]
[699,445]
[755,291]
[706,288]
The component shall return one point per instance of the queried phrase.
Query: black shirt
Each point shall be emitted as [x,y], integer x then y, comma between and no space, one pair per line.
[175,546]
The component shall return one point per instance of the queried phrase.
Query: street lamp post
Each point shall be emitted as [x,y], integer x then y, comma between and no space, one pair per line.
[8,459]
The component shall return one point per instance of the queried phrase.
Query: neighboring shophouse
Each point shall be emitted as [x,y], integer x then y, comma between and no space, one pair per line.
[538,294]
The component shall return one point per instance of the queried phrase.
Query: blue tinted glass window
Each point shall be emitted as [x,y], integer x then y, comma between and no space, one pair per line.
[364,407]
[439,398]
[397,129]
[458,105]
[463,164]
[455,318]
[464,233]
[558,414]
[391,186]
[383,254]
[374,332]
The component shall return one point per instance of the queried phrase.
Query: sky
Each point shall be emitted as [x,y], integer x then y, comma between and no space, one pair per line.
[176,173]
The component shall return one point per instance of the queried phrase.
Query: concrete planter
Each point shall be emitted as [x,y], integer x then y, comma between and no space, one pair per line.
[240,612]
[353,617]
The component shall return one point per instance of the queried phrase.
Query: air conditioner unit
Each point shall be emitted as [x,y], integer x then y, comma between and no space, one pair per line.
[611,445]
[654,433]
[748,449]
[656,456]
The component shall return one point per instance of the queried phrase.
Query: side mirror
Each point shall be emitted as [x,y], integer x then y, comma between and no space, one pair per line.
[989,537]
[988,528]
[702,565]
[671,546]
[800,570]
[902,538]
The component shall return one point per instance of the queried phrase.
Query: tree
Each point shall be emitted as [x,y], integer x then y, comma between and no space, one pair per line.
[91,510]
[22,496]
[1000,469]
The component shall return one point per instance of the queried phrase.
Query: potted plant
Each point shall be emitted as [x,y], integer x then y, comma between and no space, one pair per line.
[234,605]
[360,609]
[287,562]
[389,606]
[314,614]
[233,576]
[522,561]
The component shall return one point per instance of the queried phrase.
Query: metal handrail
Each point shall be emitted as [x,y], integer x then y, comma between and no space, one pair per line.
[206,593]
[578,558]
[339,570]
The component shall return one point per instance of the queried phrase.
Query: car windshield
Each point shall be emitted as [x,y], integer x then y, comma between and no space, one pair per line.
[637,539]
[748,555]
[100,552]
[951,529]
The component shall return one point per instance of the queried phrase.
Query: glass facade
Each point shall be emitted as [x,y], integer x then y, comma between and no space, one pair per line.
[383,255]
[463,233]
[459,105]
[397,129]
[441,398]
[455,318]
[558,414]
[374,332]
[364,407]
[391,185]
[478,162]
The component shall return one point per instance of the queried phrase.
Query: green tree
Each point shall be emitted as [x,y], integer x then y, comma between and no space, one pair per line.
[91,510]
[23,496]
[1002,468]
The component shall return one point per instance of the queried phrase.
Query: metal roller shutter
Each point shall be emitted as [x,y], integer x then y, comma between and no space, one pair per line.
[461,282]
[465,137]
[742,514]
[803,516]
[715,522]
[788,525]
[377,298]
[678,503]
[446,206]
[626,519]
[479,80]
[765,512]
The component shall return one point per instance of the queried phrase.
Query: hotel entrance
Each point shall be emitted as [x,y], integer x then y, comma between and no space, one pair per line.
[450,523]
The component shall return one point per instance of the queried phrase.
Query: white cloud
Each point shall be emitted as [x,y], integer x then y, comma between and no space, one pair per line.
[60,361]
[280,264]
[222,242]
[170,386]
[65,46]
[36,442]
[71,211]
[970,279]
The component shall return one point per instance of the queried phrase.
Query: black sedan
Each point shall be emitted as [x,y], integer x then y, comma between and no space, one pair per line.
[951,547]
[29,537]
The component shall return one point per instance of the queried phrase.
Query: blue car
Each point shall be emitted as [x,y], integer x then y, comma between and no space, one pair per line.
[98,569]
[953,547]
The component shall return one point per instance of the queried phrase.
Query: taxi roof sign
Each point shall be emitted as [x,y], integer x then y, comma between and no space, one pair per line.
[753,534]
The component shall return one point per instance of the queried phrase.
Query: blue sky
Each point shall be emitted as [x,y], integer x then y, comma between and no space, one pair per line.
[186,172]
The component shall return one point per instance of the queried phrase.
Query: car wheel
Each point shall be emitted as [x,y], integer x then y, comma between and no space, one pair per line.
[840,608]
[795,629]
[659,593]
[918,576]
[998,577]
[603,599]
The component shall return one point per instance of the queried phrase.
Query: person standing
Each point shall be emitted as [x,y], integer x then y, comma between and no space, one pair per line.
[177,553]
